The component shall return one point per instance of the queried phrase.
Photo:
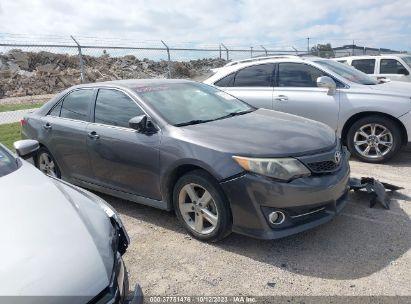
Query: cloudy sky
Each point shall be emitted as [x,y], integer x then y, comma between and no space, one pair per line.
[274,23]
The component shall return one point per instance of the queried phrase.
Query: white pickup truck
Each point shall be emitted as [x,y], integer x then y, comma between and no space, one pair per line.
[395,67]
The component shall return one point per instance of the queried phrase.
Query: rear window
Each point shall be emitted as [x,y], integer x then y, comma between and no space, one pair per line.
[364,65]
[8,163]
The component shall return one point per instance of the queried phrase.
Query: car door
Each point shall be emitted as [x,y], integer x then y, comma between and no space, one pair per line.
[252,84]
[122,158]
[64,133]
[393,69]
[296,92]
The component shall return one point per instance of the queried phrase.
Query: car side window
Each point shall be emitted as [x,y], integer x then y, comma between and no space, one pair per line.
[255,76]
[55,111]
[226,81]
[391,66]
[364,65]
[298,75]
[76,105]
[115,108]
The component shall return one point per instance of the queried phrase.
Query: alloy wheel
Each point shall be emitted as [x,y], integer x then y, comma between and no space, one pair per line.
[373,140]
[198,208]
[47,165]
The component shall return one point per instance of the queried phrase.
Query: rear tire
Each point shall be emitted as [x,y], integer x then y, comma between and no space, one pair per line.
[374,139]
[202,207]
[46,163]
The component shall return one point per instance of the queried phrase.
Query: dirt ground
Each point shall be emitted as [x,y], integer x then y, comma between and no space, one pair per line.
[361,252]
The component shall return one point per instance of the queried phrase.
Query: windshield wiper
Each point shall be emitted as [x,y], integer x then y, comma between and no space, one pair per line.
[235,114]
[199,121]
[192,122]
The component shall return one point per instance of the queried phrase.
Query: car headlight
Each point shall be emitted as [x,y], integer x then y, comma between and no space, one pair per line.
[283,169]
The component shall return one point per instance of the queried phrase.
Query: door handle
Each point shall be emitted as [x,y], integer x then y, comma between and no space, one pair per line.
[93,135]
[47,126]
[281,98]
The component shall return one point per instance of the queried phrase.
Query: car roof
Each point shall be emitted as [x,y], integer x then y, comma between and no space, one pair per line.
[371,56]
[132,83]
[237,65]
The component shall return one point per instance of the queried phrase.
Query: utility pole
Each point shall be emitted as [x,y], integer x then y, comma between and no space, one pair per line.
[353,48]
[308,45]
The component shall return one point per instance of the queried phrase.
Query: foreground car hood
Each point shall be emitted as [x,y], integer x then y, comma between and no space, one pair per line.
[263,133]
[396,88]
[55,241]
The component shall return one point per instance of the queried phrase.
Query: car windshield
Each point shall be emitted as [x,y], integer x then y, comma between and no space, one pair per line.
[407,60]
[8,163]
[191,103]
[347,72]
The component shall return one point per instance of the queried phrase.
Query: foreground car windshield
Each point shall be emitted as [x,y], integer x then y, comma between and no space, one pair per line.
[347,72]
[191,103]
[8,163]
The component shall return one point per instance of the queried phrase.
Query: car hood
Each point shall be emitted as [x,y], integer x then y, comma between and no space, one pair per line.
[55,240]
[395,88]
[262,133]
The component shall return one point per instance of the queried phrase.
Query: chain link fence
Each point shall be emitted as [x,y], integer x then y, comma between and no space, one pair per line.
[32,68]
[36,68]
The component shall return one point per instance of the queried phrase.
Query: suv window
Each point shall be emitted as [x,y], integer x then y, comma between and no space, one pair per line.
[255,76]
[226,81]
[76,104]
[298,75]
[364,65]
[115,108]
[391,66]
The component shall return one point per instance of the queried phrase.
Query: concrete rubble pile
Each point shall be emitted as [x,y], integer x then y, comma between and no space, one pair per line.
[35,73]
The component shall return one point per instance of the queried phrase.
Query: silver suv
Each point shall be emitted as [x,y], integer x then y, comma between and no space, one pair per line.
[373,119]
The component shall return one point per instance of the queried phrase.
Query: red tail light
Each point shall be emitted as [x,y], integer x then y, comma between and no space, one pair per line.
[23,122]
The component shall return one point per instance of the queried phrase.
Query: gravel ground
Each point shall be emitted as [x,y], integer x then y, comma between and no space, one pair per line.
[361,252]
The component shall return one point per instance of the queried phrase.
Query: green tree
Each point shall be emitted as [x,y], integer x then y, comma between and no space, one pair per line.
[323,50]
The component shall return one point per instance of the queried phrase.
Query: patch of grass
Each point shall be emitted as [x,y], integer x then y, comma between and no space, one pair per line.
[19,106]
[9,133]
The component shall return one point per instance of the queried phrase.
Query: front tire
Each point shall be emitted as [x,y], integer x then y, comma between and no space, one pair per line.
[201,206]
[46,163]
[374,139]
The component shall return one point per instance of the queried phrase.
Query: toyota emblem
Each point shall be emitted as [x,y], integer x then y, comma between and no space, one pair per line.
[337,157]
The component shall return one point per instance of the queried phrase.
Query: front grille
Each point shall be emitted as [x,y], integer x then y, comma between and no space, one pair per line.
[324,166]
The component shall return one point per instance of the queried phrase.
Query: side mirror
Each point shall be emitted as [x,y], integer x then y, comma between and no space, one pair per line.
[327,82]
[142,124]
[403,71]
[26,148]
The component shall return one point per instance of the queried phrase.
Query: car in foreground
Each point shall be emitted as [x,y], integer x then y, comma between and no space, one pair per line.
[221,164]
[373,119]
[395,67]
[61,244]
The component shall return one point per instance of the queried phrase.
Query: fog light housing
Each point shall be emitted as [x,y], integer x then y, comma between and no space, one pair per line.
[276,217]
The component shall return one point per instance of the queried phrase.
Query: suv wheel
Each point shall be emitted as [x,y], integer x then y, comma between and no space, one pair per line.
[201,206]
[46,163]
[374,139]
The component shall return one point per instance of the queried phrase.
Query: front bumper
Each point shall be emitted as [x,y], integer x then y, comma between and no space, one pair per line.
[307,202]
[118,290]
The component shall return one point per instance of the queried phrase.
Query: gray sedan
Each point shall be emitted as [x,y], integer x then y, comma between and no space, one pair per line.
[221,164]
[60,243]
